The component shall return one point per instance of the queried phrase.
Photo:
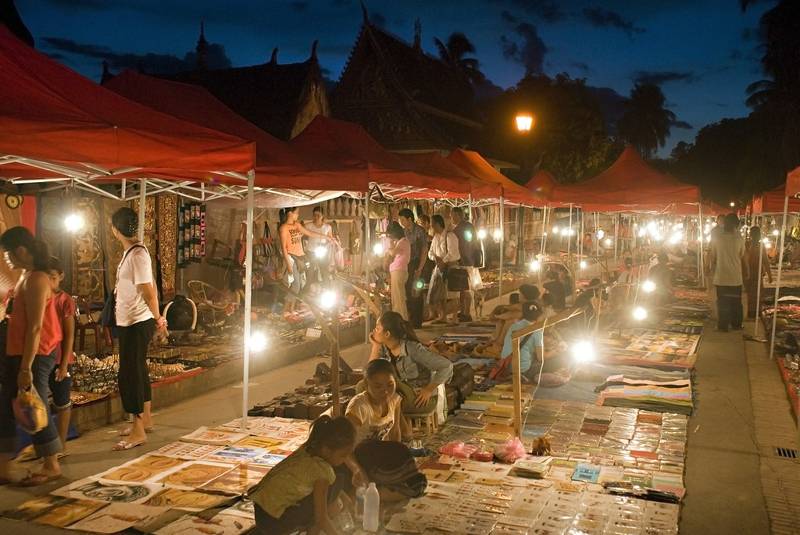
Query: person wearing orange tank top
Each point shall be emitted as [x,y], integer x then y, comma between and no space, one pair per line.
[291,232]
[34,332]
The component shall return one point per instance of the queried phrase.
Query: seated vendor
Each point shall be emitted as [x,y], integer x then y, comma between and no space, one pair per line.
[505,315]
[556,289]
[377,417]
[546,366]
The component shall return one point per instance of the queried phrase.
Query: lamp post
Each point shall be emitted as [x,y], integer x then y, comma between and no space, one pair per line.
[524,123]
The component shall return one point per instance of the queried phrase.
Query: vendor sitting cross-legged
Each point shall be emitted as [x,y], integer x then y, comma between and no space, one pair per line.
[547,366]
[505,316]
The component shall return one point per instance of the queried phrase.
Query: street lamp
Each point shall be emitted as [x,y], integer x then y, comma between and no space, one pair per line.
[524,122]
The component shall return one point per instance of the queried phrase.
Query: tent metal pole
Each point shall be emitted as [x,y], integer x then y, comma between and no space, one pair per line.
[366,258]
[502,247]
[543,247]
[142,203]
[758,288]
[778,279]
[569,235]
[616,237]
[248,296]
[700,280]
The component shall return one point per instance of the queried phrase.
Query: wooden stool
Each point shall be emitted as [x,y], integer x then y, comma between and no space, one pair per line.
[424,422]
[86,322]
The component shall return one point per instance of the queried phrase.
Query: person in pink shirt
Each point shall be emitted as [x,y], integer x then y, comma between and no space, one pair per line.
[400,254]
[60,379]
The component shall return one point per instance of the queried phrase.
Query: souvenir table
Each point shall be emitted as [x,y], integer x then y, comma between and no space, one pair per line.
[166,488]
[663,396]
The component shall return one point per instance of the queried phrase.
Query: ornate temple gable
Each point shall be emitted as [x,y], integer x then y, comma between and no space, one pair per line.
[278,98]
[405,98]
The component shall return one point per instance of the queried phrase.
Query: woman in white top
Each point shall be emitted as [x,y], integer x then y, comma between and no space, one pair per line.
[375,413]
[443,251]
[137,318]
[321,253]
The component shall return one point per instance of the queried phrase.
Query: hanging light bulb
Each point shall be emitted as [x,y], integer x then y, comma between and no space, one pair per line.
[601,234]
[74,222]
[535,265]
[648,286]
[556,230]
[320,251]
[482,234]
[497,234]
[257,342]
[639,313]
[377,249]
[583,264]
[583,351]
[327,299]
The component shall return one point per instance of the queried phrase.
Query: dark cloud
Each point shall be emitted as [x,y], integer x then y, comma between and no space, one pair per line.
[581,66]
[530,52]
[299,6]
[605,18]
[664,77]
[82,4]
[683,125]
[545,10]
[151,63]
[508,17]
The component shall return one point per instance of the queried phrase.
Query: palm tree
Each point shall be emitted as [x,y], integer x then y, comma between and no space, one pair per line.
[455,52]
[646,122]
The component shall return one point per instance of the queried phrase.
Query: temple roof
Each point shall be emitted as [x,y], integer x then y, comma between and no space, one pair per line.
[405,98]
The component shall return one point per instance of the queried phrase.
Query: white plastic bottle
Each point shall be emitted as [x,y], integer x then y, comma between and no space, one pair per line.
[372,507]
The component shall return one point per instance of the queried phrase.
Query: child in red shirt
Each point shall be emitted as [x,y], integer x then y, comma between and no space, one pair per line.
[60,379]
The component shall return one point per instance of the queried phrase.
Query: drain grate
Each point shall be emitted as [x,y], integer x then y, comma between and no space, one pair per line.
[786,453]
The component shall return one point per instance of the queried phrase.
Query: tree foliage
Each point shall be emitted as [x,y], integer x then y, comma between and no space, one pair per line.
[646,121]
[455,53]
[569,137]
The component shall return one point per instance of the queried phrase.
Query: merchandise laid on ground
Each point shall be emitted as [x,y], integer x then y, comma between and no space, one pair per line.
[787,350]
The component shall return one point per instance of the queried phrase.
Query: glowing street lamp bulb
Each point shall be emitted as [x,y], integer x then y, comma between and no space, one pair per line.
[649,286]
[583,352]
[257,342]
[497,234]
[73,222]
[732,204]
[524,122]
[482,234]
[583,264]
[601,234]
[377,249]
[320,251]
[327,299]
[535,265]
[639,313]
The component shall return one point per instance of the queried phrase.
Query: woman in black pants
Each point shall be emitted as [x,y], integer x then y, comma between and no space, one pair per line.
[137,318]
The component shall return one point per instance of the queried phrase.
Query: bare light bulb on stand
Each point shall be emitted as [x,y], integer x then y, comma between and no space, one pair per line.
[258,342]
[73,223]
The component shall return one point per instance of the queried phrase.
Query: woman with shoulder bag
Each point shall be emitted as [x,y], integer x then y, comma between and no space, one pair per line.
[444,252]
[137,318]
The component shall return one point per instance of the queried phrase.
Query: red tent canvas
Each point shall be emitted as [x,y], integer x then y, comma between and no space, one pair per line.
[542,185]
[495,183]
[278,165]
[350,145]
[49,113]
[771,202]
[793,183]
[630,183]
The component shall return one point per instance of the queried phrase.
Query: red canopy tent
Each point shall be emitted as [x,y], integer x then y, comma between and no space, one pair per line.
[350,145]
[278,165]
[771,202]
[61,124]
[496,184]
[629,184]
[542,185]
[58,124]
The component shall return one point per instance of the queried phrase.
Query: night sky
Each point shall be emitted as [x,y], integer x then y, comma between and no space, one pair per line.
[704,53]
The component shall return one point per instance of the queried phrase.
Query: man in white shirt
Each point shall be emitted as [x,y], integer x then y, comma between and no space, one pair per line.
[730,270]
[137,317]
[444,251]
[321,250]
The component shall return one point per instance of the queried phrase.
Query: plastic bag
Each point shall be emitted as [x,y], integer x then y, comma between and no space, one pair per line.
[458,449]
[29,411]
[509,451]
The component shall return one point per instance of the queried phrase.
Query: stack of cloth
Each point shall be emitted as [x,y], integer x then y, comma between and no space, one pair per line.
[663,396]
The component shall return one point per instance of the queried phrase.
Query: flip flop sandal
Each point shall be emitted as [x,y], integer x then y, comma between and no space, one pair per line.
[127,431]
[34,480]
[27,455]
[124,445]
